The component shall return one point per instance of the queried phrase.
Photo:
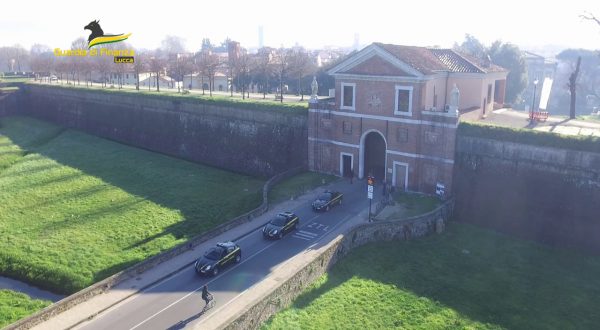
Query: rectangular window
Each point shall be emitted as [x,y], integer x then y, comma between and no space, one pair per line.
[347,128]
[348,96]
[489,99]
[127,76]
[402,135]
[403,104]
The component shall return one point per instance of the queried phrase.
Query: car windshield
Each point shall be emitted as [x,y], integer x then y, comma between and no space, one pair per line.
[213,254]
[325,197]
[278,221]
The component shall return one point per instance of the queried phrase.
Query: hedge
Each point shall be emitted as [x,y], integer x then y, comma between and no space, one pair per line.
[527,136]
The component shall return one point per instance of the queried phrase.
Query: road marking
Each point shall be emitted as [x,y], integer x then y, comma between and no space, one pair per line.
[281,265]
[303,238]
[200,288]
[212,280]
[307,233]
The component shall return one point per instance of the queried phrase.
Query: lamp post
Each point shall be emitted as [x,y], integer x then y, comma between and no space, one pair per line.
[535,82]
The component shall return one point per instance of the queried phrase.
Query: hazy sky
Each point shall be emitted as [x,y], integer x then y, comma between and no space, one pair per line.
[310,23]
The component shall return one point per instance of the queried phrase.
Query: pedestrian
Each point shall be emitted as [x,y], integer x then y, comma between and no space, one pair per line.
[206,296]
[351,175]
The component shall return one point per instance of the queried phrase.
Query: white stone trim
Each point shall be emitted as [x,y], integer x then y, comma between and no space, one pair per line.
[342,106]
[391,152]
[394,174]
[342,154]
[410,100]
[337,143]
[398,79]
[391,119]
[368,52]
[421,156]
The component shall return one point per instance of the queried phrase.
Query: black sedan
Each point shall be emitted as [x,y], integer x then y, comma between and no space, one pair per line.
[280,225]
[218,257]
[327,200]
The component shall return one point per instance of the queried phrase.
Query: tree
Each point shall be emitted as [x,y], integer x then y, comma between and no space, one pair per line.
[300,66]
[243,70]
[209,63]
[472,46]
[590,17]
[157,64]
[206,45]
[140,65]
[573,88]
[282,65]
[510,57]
[173,45]
[41,60]
[233,53]
[263,68]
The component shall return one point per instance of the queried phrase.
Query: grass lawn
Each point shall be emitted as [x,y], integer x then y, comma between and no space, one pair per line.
[75,208]
[16,305]
[466,278]
[411,204]
[299,184]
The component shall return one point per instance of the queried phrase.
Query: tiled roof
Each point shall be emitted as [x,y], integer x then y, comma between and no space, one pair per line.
[419,58]
[431,60]
[455,62]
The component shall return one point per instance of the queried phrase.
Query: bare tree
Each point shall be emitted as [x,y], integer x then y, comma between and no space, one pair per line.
[573,88]
[140,65]
[590,17]
[233,53]
[263,68]
[243,71]
[40,60]
[157,65]
[301,66]
[209,63]
[282,66]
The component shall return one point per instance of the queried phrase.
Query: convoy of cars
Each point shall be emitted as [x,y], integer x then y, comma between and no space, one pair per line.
[227,253]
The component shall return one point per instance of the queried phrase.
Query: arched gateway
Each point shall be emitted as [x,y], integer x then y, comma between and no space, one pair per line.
[372,155]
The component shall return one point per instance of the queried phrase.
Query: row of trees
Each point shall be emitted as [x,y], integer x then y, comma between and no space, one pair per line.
[267,70]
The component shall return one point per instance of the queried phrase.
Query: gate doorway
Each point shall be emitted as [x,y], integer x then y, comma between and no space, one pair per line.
[346,164]
[373,150]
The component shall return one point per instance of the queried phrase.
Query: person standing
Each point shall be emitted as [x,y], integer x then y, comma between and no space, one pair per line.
[351,175]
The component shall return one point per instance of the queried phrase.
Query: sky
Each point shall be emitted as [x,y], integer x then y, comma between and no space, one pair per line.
[310,23]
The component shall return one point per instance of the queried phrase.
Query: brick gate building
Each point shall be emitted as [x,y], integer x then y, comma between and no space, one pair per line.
[395,114]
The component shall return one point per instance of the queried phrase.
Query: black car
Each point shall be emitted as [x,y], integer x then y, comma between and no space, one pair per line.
[218,257]
[327,200]
[280,225]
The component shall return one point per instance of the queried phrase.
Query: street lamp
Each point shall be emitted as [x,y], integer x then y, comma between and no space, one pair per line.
[535,82]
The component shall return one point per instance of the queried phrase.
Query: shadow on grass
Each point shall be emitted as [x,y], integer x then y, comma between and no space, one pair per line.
[484,276]
[170,183]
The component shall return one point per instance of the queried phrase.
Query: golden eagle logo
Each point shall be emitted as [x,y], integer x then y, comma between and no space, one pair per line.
[97,37]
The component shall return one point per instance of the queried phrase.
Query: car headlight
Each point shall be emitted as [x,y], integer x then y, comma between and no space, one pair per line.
[275,231]
[208,267]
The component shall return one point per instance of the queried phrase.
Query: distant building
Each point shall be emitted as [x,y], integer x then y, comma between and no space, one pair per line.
[396,111]
[538,68]
[199,81]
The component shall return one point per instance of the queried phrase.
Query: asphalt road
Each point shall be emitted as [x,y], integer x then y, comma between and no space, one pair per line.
[176,301]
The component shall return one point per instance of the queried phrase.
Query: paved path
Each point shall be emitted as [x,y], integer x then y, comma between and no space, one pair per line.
[174,302]
[33,292]
[562,125]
